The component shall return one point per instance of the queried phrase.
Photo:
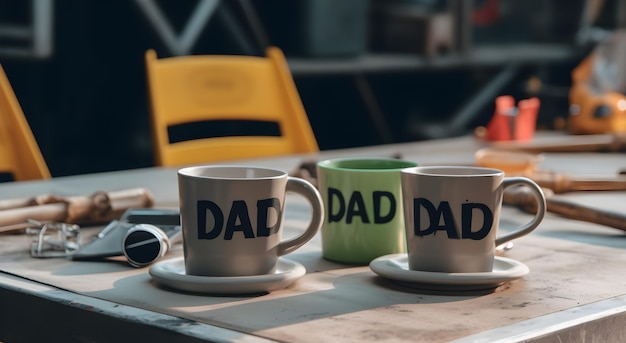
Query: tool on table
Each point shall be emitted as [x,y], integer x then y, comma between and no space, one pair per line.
[597,96]
[142,235]
[526,202]
[562,183]
[512,163]
[53,239]
[527,164]
[99,207]
[511,123]
[568,143]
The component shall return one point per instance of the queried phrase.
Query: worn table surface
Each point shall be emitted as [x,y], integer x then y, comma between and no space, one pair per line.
[576,270]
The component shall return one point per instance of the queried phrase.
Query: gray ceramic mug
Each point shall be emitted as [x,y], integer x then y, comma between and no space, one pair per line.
[232,216]
[452,216]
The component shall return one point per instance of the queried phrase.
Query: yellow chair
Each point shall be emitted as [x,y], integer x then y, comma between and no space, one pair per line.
[19,153]
[218,89]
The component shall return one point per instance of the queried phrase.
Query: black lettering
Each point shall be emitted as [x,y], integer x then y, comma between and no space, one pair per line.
[356,207]
[379,218]
[239,211]
[263,227]
[467,211]
[335,194]
[435,216]
[202,206]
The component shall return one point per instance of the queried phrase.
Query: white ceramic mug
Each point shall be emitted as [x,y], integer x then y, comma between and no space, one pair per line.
[452,215]
[231,218]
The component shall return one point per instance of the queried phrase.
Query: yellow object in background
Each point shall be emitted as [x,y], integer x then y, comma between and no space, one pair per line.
[598,94]
[19,153]
[219,88]
[513,163]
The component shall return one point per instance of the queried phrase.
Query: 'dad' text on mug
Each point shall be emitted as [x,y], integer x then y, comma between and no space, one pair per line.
[441,218]
[340,208]
[238,219]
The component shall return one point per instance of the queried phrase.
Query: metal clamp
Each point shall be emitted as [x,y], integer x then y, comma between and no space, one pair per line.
[53,239]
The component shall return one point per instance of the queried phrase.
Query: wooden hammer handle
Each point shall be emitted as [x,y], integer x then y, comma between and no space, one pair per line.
[562,183]
[571,143]
[584,213]
[99,207]
[567,209]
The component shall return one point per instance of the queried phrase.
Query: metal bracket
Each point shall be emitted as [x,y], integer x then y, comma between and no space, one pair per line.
[53,239]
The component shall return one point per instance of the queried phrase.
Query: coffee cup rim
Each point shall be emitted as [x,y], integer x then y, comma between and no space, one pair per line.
[382,164]
[452,171]
[231,172]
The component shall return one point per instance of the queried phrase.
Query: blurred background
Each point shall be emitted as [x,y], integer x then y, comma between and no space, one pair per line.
[368,72]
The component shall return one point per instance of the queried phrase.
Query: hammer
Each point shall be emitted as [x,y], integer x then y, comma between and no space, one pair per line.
[525,201]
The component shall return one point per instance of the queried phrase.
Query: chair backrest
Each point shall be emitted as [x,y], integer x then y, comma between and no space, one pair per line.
[219,90]
[19,153]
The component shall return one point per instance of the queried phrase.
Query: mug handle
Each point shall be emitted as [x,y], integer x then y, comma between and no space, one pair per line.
[310,193]
[541,208]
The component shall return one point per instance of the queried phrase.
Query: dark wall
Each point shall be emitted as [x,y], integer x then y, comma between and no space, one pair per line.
[87,103]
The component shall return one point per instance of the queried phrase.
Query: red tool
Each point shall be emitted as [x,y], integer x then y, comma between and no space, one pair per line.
[510,123]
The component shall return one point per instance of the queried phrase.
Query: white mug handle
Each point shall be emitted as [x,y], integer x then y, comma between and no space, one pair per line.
[309,192]
[541,208]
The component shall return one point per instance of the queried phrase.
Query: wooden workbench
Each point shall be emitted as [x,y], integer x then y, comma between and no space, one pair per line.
[575,291]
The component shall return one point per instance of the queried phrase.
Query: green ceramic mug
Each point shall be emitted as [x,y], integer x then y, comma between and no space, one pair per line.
[362,201]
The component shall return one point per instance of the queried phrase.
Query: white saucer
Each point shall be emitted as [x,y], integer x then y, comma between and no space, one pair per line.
[171,273]
[396,268]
